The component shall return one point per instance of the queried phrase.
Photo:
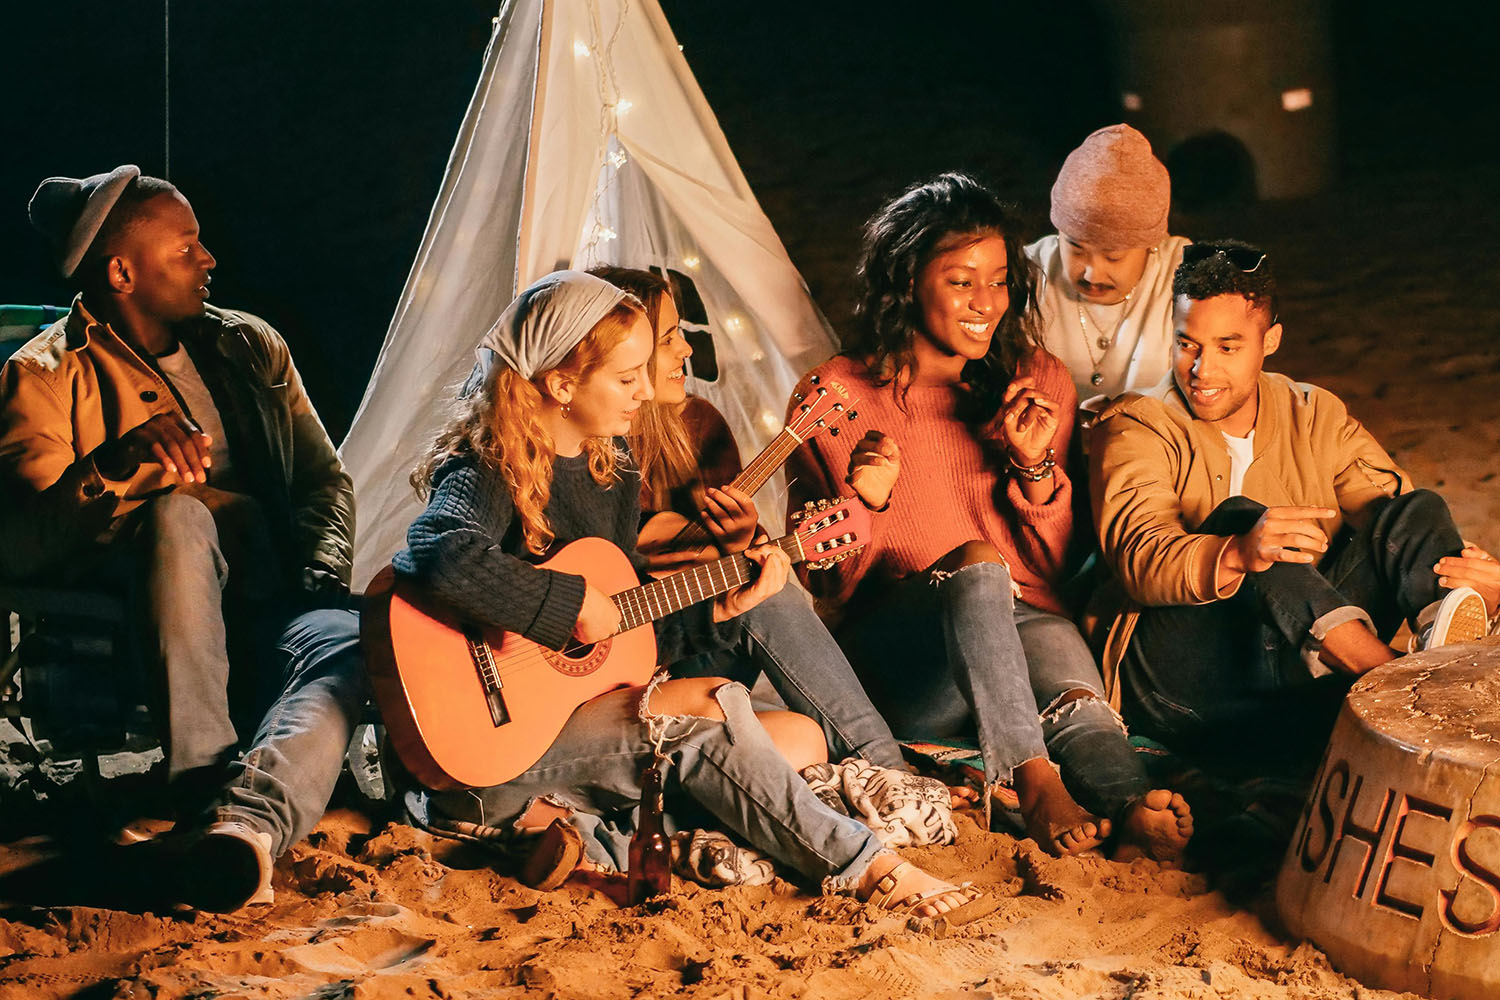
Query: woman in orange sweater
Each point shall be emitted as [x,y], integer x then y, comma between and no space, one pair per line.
[951,615]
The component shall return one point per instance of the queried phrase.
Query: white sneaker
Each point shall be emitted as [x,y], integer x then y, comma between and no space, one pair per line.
[1459,617]
[228,866]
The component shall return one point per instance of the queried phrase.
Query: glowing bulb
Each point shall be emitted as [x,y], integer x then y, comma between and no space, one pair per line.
[769,420]
[623,106]
[581,49]
[603,232]
[691,262]
[734,324]
[617,159]
[758,356]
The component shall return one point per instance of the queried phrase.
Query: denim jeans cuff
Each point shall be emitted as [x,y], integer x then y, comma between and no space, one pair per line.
[846,880]
[1312,646]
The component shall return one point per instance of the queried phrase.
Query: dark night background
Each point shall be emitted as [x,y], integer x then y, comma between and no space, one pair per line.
[311,137]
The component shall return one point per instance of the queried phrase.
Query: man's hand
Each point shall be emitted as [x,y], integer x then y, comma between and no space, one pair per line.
[873,469]
[598,619]
[1283,534]
[774,565]
[1028,421]
[166,439]
[730,517]
[1473,567]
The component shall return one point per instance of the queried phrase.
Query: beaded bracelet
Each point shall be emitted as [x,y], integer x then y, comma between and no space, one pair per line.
[1033,473]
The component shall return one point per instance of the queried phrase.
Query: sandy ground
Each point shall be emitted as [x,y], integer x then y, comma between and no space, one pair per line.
[1404,327]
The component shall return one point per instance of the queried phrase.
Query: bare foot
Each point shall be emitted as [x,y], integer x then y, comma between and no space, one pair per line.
[962,796]
[908,882]
[1060,825]
[1157,827]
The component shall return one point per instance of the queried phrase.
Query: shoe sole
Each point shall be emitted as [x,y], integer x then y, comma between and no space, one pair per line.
[1463,620]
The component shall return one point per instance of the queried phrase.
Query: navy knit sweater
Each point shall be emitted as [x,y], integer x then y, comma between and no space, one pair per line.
[466,549]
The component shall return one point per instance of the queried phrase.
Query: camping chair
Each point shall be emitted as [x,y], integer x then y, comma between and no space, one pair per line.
[70,659]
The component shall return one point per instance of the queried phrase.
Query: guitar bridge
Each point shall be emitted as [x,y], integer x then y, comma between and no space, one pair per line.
[489,676]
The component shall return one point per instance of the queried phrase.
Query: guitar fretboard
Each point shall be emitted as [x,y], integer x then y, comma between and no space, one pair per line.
[651,601]
[750,480]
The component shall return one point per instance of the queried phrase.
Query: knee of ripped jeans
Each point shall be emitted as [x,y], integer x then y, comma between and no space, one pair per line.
[665,730]
[999,571]
[1080,699]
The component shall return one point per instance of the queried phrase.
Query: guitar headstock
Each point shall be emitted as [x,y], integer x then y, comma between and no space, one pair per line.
[831,531]
[820,405]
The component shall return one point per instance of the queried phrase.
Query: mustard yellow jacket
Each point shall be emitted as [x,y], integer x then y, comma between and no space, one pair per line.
[1157,473]
[77,385]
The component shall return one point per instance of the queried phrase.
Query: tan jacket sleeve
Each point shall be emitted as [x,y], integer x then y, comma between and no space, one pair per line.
[1365,472]
[1139,517]
[52,502]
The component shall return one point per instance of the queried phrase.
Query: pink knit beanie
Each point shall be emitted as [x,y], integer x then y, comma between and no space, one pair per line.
[1112,192]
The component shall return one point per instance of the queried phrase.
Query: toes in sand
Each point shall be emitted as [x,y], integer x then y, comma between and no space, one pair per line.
[1157,827]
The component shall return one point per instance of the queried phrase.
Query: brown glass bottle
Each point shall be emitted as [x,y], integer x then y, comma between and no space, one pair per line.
[650,873]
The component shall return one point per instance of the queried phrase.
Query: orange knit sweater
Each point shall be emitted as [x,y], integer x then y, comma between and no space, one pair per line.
[953,488]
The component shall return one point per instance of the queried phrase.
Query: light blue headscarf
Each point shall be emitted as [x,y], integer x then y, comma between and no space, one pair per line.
[544,323]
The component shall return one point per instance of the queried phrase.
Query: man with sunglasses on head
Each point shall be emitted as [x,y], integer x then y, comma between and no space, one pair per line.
[1268,546]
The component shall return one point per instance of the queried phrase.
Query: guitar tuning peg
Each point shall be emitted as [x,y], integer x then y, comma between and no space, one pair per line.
[814,379]
[797,397]
[853,414]
[824,504]
[808,507]
[838,407]
[834,432]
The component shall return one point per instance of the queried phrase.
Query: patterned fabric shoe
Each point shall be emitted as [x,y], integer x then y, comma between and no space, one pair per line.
[1459,617]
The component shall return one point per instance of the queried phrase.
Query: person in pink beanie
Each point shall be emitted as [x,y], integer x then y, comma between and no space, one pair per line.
[1104,291]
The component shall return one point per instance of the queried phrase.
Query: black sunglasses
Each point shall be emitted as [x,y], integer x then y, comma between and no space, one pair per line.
[1247,259]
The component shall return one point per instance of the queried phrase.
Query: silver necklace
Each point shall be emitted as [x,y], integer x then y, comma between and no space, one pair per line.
[1104,341]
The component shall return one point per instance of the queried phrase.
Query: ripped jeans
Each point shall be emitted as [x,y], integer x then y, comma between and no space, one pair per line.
[944,654]
[731,768]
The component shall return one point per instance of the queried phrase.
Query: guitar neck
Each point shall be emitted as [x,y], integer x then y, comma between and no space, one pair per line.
[750,480]
[660,598]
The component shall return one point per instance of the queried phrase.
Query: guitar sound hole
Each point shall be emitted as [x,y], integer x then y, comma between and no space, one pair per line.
[580,661]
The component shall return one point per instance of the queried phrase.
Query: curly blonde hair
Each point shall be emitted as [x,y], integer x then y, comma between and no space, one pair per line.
[500,425]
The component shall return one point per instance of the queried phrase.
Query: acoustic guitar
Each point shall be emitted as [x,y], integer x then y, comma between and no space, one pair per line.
[468,706]
[818,409]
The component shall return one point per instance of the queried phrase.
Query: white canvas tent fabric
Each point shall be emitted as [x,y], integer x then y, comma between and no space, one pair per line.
[587,141]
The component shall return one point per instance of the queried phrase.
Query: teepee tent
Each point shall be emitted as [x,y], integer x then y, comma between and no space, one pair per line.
[587,142]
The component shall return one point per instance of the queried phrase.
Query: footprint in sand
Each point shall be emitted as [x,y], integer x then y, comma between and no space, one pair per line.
[362,952]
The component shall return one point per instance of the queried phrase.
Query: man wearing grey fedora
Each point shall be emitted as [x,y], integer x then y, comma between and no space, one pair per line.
[167,446]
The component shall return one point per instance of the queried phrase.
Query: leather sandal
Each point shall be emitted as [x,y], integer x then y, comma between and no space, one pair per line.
[558,850]
[976,904]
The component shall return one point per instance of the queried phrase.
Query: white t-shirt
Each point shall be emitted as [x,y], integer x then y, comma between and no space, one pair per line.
[1241,454]
[1140,352]
[179,368]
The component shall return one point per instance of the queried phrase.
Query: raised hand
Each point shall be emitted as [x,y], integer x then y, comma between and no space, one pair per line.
[775,565]
[1028,421]
[730,518]
[166,439]
[873,468]
[1283,534]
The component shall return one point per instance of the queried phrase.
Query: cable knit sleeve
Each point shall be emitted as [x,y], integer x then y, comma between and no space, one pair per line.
[454,552]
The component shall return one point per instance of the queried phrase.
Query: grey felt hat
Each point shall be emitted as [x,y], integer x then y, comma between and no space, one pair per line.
[69,211]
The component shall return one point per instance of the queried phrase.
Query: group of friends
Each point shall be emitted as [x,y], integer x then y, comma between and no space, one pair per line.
[1091,509]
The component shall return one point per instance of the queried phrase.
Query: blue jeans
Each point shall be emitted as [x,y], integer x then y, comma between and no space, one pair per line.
[1213,674]
[282,783]
[730,768]
[784,637]
[944,654]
